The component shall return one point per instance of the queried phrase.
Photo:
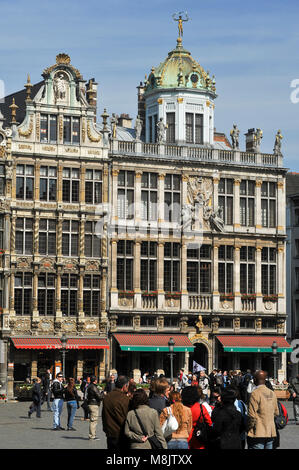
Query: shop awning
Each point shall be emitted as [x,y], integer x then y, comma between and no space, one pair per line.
[37,343]
[87,343]
[152,343]
[253,343]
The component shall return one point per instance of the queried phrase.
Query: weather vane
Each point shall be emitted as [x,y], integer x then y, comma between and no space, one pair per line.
[182,16]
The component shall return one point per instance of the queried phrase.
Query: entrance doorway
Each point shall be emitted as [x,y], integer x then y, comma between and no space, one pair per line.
[199,355]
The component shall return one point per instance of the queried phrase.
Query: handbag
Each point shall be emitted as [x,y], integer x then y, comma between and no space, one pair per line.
[170,424]
[154,442]
[201,429]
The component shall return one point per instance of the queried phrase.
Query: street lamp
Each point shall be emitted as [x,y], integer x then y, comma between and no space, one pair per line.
[63,343]
[274,353]
[171,344]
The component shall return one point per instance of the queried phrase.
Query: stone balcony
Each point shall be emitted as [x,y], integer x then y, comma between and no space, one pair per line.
[195,153]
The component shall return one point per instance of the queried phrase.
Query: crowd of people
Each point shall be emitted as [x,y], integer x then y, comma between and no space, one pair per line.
[227,410]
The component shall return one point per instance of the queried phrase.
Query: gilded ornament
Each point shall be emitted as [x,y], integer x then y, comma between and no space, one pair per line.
[28,131]
[90,136]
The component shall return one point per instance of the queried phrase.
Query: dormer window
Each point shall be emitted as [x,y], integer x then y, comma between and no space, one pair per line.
[194,128]
[71,130]
[48,128]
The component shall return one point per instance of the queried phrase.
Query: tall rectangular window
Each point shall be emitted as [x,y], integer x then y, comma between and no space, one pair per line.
[170,130]
[225,269]
[91,295]
[23,293]
[172,267]
[24,236]
[93,186]
[2,180]
[46,294]
[47,237]
[125,195]
[199,128]
[194,128]
[189,128]
[69,289]
[70,184]
[47,183]
[172,198]
[269,271]
[199,270]
[92,241]
[24,182]
[125,258]
[247,270]
[226,200]
[148,266]
[70,238]
[268,204]
[2,222]
[149,196]
[247,202]
[48,128]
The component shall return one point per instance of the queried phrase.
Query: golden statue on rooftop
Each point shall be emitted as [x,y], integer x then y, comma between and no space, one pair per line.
[180,21]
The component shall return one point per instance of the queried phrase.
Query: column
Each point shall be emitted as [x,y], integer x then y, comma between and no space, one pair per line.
[36,180]
[36,234]
[161,179]
[160,275]
[58,295]
[82,184]
[35,312]
[215,288]
[113,261]
[13,232]
[184,295]
[258,288]
[237,204]
[59,234]
[80,295]
[59,182]
[105,183]
[82,237]
[281,213]
[115,172]
[258,204]
[237,301]
[138,176]
[216,180]
[136,275]
[12,294]
[281,304]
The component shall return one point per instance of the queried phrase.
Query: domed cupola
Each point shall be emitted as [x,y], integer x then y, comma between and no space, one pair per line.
[181,93]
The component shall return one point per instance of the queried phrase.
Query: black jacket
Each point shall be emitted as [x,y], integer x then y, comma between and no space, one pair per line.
[36,393]
[70,396]
[57,389]
[158,402]
[94,396]
[294,388]
[227,427]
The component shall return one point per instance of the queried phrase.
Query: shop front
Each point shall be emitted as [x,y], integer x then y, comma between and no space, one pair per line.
[252,352]
[30,357]
[135,354]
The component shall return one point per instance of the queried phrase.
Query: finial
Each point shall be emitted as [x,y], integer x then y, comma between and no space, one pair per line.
[105,116]
[13,108]
[180,19]
[28,87]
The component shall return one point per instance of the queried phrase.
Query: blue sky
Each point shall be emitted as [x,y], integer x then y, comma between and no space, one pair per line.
[251,47]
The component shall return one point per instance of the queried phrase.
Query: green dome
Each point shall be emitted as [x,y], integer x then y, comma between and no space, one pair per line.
[180,70]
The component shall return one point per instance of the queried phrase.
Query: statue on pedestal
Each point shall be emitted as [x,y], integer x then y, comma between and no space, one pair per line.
[234,133]
[277,144]
[161,131]
[138,128]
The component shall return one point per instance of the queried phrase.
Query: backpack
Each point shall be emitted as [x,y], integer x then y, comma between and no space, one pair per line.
[282,419]
[201,429]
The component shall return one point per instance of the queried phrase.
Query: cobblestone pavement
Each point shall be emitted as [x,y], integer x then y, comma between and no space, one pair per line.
[17,431]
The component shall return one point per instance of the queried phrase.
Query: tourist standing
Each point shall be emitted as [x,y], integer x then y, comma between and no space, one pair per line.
[47,382]
[227,423]
[262,409]
[183,415]
[294,390]
[203,383]
[72,402]
[190,399]
[114,414]
[36,399]
[57,406]
[94,398]
[142,422]
[84,386]
[160,395]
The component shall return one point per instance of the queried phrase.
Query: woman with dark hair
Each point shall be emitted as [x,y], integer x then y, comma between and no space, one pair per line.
[72,402]
[190,398]
[140,411]
[183,415]
[227,423]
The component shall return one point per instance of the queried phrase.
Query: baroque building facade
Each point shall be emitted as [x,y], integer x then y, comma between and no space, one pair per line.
[115,240]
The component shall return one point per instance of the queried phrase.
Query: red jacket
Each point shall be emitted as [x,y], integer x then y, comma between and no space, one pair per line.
[196,411]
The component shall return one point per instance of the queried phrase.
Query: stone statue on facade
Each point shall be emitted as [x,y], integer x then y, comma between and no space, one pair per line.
[277,144]
[161,131]
[138,128]
[113,122]
[217,219]
[257,139]
[234,133]
[59,87]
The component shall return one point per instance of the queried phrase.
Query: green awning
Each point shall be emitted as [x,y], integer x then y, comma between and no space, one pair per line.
[254,343]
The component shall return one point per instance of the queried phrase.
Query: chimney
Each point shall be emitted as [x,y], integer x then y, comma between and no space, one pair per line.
[124,120]
[250,140]
[92,92]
